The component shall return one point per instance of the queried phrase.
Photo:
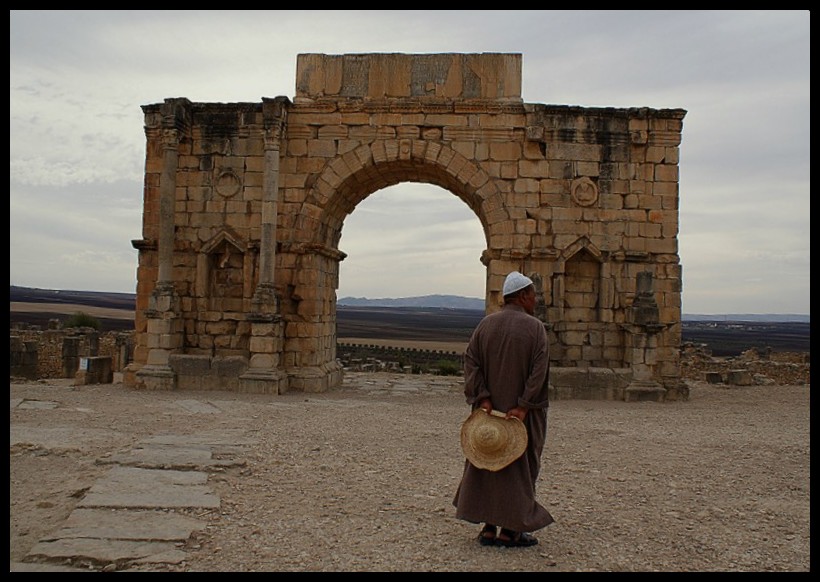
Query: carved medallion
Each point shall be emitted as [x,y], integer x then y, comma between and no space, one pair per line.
[584,191]
[228,184]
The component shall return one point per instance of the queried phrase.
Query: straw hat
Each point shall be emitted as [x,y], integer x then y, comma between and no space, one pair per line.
[491,441]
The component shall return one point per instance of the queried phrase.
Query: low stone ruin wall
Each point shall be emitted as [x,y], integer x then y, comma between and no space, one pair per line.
[60,353]
[374,358]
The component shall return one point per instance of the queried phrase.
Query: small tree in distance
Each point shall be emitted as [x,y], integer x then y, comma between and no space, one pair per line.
[80,319]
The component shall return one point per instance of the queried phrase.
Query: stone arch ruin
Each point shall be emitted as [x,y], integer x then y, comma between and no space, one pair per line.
[244,205]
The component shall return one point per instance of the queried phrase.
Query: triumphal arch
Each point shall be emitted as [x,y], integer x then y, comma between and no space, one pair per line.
[244,205]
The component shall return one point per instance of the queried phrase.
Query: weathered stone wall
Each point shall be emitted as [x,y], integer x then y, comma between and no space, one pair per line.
[23,358]
[763,367]
[57,353]
[244,205]
[357,356]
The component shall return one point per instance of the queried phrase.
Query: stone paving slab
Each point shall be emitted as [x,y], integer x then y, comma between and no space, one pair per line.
[198,407]
[165,456]
[135,525]
[24,403]
[111,537]
[127,516]
[336,404]
[151,488]
[226,438]
[42,567]
[59,439]
[106,551]
[185,452]
[111,525]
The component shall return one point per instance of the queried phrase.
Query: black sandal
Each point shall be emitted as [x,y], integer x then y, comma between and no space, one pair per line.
[487,535]
[516,539]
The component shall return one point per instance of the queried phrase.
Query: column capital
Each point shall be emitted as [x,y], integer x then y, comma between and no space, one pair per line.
[275,114]
[170,139]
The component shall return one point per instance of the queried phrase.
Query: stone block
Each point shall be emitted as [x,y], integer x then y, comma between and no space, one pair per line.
[190,365]
[229,366]
[380,75]
[739,378]
[714,377]
[95,370]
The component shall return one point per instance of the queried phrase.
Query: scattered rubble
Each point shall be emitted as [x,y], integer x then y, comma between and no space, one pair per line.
[752,367]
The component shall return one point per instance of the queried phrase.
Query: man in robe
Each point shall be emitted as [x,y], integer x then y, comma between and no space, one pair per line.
[506,368]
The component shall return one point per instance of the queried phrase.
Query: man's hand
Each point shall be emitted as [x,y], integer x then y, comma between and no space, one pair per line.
[518,412]
[486,405]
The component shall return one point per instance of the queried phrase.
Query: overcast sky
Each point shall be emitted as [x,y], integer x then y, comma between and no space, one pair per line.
[77,145]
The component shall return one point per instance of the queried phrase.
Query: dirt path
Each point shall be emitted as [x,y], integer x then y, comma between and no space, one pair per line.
[362,478]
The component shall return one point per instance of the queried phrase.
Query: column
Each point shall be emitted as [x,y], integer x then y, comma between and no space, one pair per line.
[164,327]
[267,329]
[643,329]
[274,112]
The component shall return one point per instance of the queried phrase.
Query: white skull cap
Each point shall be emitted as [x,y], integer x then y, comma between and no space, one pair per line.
[515,281]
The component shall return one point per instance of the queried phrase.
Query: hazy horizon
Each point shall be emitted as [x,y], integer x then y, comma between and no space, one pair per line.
[685,313]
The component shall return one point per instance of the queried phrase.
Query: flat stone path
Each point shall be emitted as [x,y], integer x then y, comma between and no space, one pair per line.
[138,512]
[129,515]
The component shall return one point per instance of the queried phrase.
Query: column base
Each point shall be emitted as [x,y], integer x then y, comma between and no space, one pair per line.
[316,378]
[644,390]
[263,381]
[152,377]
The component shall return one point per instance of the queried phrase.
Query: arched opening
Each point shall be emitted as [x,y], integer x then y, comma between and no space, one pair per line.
[410,240]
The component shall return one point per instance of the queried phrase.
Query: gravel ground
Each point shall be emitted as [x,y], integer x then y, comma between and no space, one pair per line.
[362,478]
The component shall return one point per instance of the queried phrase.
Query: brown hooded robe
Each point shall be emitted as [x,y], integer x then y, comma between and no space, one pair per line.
[507,360]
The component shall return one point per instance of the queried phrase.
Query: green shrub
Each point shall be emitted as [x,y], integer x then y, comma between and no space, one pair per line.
[448,368]
[80,319]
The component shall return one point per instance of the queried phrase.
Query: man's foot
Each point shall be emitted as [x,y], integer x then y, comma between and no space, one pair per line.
[487,535]
[515,539]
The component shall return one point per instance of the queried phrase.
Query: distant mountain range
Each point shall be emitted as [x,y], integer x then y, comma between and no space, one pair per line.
[440,301]
[753,317]
[128,300]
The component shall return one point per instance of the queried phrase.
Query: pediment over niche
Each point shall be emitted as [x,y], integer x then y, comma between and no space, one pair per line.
[582,243]
[223,236]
